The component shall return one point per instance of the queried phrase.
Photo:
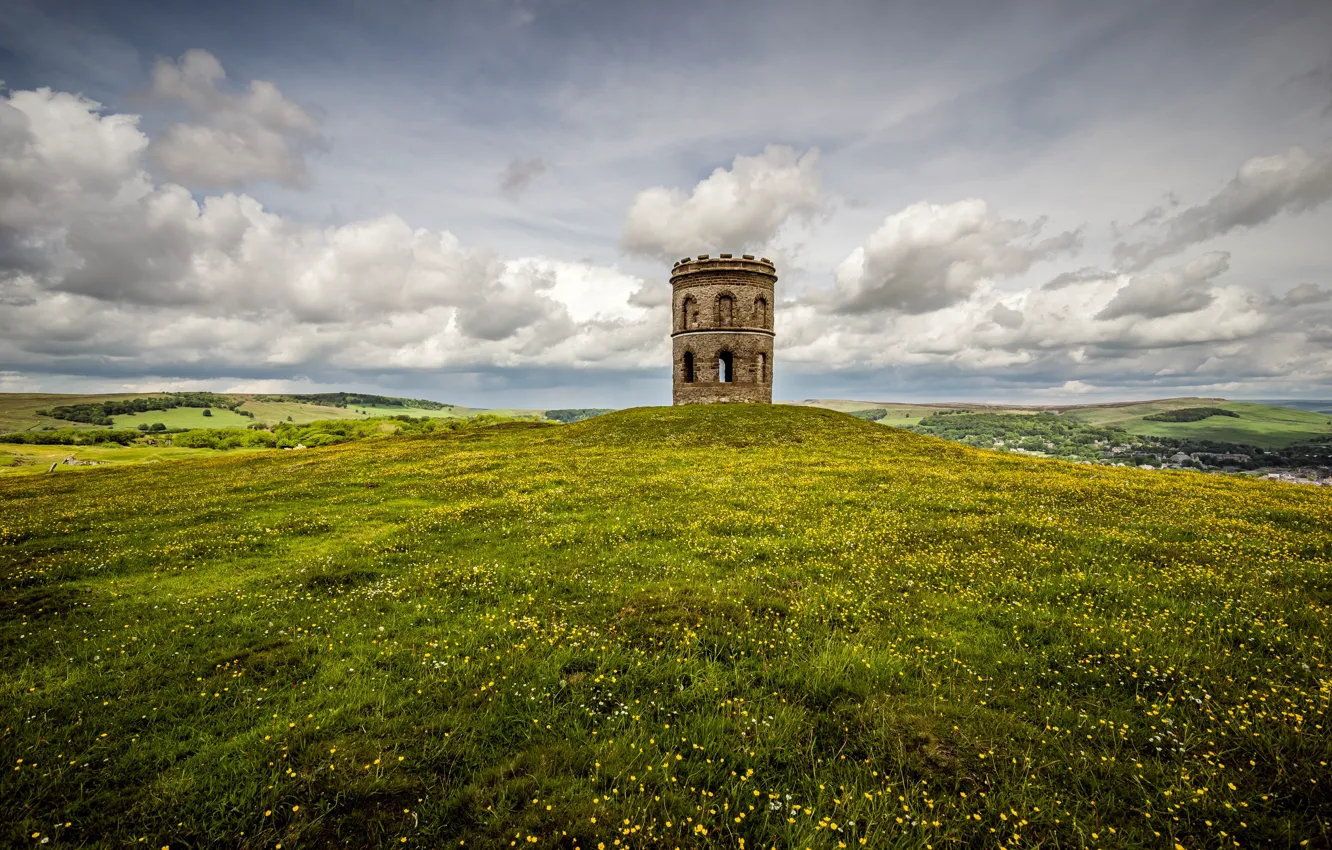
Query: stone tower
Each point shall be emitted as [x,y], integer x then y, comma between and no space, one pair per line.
[722,332]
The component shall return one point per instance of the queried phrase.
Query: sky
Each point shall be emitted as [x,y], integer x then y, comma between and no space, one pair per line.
[479,202]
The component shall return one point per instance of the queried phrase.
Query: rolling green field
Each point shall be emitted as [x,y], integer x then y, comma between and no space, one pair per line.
[1262,425]
[272,412]
[35,460]
[900,415]
[184,417]
[1258,424]
[689,627]
[18,411]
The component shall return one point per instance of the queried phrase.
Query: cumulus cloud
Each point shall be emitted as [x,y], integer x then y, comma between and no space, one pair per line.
[106,272]
[1154,294]
[1306,293]
[929,256]
[1082,275]
[106,269]
[1059,338]
[1006,316]
[230,138]
[732,209]
[519,175]
[1264,188]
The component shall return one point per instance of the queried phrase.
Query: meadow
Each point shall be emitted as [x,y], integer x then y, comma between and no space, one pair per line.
[717,626]
[18,411]
[1260,425]
[183,417]
[1267,425]
[37,460]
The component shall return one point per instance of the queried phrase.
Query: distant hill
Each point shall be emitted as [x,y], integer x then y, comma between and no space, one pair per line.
[27,411]
[1317,406]
[1244,422]
[1253,424]
[342,399]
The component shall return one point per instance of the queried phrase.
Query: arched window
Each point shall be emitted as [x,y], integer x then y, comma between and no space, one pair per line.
[762,368]
[761,312]
[725,367]
[725,310]
[689,367]
[688,313]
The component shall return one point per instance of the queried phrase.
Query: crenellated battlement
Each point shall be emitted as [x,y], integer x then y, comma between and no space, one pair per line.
[723,262]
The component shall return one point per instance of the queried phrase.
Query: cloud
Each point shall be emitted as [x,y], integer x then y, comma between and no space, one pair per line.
[230,139]
[519,174]
[1306,293]
[1082,275]
[117,272]
[734,209]
[1264,188]
[1005,316]
[929,256]
[1155,294]
[110,274]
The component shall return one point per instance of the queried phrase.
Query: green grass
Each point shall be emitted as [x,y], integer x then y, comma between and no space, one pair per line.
[18,411]
[385,410]
[273,412]
[184,417]
[663,627]
[1258,424]
[37,460]
[905,415]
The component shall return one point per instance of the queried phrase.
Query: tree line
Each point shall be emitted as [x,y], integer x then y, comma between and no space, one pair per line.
[101,412]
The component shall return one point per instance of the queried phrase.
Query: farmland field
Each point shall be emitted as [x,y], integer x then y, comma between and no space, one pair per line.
[696,626]
[18,411]
[273,412]
[183,417]
[899,415]
[33,460]
[1257,424]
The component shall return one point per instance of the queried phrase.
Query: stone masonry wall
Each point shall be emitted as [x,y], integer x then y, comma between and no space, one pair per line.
[701,329]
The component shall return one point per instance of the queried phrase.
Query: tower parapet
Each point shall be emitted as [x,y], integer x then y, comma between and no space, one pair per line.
[722,332]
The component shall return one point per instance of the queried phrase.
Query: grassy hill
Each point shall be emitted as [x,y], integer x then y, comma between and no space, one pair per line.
[1257,424]
[183,417]
[18,411]
[663,627]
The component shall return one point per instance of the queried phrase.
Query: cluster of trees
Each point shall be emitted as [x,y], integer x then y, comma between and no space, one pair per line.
[100,413]
[328,432]
[1190,414]
[70,437]
[1047,433]
[354,399]
[223,438]
[286,435]
[576,414]
[872,414]
[1068,438]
